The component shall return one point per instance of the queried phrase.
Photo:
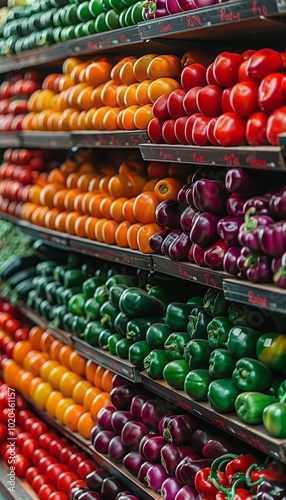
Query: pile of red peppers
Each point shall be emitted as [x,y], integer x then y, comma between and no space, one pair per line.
[241,477]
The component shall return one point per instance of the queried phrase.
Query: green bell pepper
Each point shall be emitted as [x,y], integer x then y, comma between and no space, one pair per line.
[92,331]
[78,325]
[157,292]
[281,391]
[115,293]
[67,321]
[91,309]
[242,341]
[196,301]
[197,353]
[104,336]
[155,363]
[46,268]
[41,284]
[175,345]
[137,327]
[120,323]
[177,316]
[215,303]
[271,350]
[198,322]
[197,384]
[51,292]
[221,364]
[122,348]
[101,294]
[249,406]
[138,352]
[136,303]
[68,293]
[251,375]
[59,272]
[218,330]
[157,335]
[274,418]
[222,394]
[273,388]
[120,279]
[74,277]
[45,308]
[76,304]
[108,313]
[90,285]
[175,373]
[112,341]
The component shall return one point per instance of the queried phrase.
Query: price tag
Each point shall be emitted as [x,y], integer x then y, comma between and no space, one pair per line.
[231,159]
[166,155]
[255,162]
[197,157]
[257,300]
[164,27]
[193,21]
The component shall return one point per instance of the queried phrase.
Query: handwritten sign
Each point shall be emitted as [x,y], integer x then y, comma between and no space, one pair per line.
[254,162]
[193,21]
[164,28]
[231,159]
[257,299]
[197,157]
[259,10]
[166,155]
[226,15]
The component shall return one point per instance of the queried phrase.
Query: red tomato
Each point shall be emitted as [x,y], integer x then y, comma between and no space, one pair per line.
[84,468]
[168,132]
[276,125]
[23,416]
[270,92]
[45,491]
[54,470]
[75,460]
[242,72]
[199,133]
[28,423]
[179,129]
[256,129]
[65,479]
[225,101]
[229,130]
[20,403]
[247,54]
[190,101]
[29,447]
[21,438]
[263,62]
[175,103]
[58,495]
[209,100]
[189,127]
[160,109]
[243,98]
[225,69]
[55,447]
[10,345]
[210,132]
[21,333]
[38,428]
[31,473]
[155,130]
[38,481]
[29,87]
[38,454]
[211,80]
[24,156]
[192,76]
[79,483]
[46,438]
[65,454]
[22,464]
[45,461]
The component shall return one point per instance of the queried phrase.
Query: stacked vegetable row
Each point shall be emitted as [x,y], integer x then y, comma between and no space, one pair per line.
[237,99]
[174,454]
[211,350]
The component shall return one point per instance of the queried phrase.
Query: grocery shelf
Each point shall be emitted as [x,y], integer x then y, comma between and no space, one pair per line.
[257,158]
[255,436]
[219,22]
[61,335]
[107,360]
[51,140]
[117,139]
[10,140]
[21,491]
[85,445]
[267,297]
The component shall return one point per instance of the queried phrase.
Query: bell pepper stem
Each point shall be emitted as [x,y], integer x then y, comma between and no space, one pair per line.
[224,458]
[232,493]
[250,261]
[219,487]
[251,483]
[250,224]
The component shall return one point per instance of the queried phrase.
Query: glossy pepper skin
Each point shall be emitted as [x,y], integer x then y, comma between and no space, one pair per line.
[175,373]
[248,235]
[120,323]
[222,394]
[249,406]
[92,332]
[108,313]
[197,324]
[235,204]
[261,204]
[197,353]
[197,383]
[177,314]
[242,341]
[221,363]
[138,352]
[238,180]
[204,228]
[135,302]
[271,490]
[157,335]
[137,327]
[218,330]
[115,293]
[112,341]
[274,418]
[251,375]
[91,309]
[214,255]
[228,229]
[277,204]
[205,486]
[272,239]
[175,344]
[214,303]
[279,278]
[90,285]
[155,362]
[209,195]
[122,348]
[271,350]
[230,261]
[238,464]
[257,268]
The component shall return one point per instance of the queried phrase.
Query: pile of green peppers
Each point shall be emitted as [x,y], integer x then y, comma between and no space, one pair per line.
[209,348]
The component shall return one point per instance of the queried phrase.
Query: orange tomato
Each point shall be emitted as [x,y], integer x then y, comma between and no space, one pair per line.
[55,376]
[90,368]
[20,350]
[80,226]
[94,205]
[98,230]
[85,425]
[164,66]
[77,363]
[70,63]
[108,93]
[127,210]
[89,396]
[107,380]
[167,189]
[120,93]
[50,218]
[162,86]
[79,391]
[126,74]
[50,404]
[98,72]
[144,234]
[141,94]
[150,185]
[145,206]
[33,385]
[46,341]
[114,74]
[127,118]
[143,116]
[61,407]
[55,347]
[48,192]
[121,234]
[100,401]
[108,231]
[90,225]
[67,382]
[125,185]
[116,211]
[98,377]
[110,119]
[105,205]
[35,335]
[141,65]
[130,95]
[132,235]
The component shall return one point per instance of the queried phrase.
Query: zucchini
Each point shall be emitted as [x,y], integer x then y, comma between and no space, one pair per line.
[22,290]
[21,276]
[44,251]
[47,267]
[16,265]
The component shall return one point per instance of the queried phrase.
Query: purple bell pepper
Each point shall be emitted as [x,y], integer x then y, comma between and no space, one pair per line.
[180,247]
[248,235]
[186,219]
[228,229]
[277,204]
[154,9]
[157,239]
[209,196]
[279,278]
[214,255]
[230,261]
[244,182]
[276,263]
[260,203]
[244,253]
[207,173]
[235,205]
[169,239]
[168,213]
[271,490]
[182,194]
[197,255]
[257,268]
[204,228]
[272,239]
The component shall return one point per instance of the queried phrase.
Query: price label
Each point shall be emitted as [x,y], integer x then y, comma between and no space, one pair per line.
[254,162]
[197,157]
[193,21]
[231,159]
[227,15]
[257,300]
[164,28]
[209,280]
[259,10]
[166,155]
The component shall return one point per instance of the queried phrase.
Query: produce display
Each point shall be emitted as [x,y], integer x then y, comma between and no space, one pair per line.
[237,99]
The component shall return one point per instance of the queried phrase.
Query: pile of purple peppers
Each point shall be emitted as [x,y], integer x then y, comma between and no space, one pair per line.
[227,221]
[161,8]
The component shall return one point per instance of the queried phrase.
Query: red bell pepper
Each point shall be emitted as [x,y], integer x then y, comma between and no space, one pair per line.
[239,465]
[204,482]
